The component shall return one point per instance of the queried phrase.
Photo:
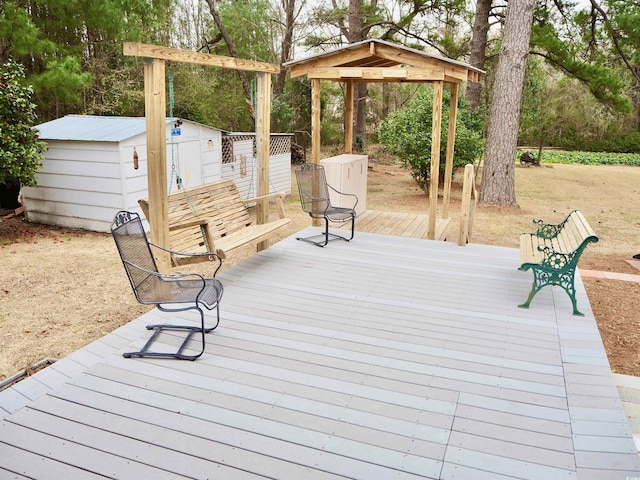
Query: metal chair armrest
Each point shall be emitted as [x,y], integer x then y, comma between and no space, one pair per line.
[345,194]
[168,277]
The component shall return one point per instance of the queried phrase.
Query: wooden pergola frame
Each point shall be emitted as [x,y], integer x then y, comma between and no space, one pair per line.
[379,61]
[155,113]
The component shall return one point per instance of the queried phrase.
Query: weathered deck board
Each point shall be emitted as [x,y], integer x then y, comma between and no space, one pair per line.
[397,224]
[385,357]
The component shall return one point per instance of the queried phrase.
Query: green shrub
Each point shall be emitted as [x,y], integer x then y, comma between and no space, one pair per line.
[407,133]
[20,149]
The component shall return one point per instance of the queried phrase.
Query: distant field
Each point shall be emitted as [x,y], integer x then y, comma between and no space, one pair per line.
[586,158]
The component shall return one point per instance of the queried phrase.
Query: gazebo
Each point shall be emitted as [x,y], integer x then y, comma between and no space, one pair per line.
[380,61]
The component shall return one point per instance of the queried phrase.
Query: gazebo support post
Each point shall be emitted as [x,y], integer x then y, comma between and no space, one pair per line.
[451,142]
[315,129]
[348,117]
[436,128]
[315,120]
[372,61]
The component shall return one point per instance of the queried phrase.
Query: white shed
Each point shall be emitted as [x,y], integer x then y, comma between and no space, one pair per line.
[239,162]
[89,171]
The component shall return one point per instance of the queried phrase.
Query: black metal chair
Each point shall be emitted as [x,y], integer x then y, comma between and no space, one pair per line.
[169,292]
[316,201]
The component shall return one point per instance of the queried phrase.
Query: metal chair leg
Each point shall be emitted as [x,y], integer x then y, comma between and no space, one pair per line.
[191,330]
[327,236]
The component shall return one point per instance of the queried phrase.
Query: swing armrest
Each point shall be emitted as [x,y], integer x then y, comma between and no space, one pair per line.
[144,205]
[278,196]
[190,223]
[264,197]
[207,231]
[197,222]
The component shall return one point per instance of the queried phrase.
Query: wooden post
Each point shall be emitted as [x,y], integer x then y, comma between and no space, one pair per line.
[348,118]
[263,139]
[436,127]
[155,113]
[315,121]
[315,129]
[451,142]
[465,215]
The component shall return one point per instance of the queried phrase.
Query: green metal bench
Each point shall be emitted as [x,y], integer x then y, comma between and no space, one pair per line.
[552,254]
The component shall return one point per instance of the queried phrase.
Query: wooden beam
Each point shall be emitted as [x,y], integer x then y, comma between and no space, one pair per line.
[456,73]
[404,57]
[436,128]
[378,74]
[136,49]
[155,113]
[349,72]
[392,73]
[345,57]
[263,139]
[348,117]
[451,142]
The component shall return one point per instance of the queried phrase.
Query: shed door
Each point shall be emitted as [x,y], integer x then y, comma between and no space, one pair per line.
[186,156]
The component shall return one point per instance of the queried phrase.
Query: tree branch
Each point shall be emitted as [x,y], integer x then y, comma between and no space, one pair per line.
[614,36]
[234,53]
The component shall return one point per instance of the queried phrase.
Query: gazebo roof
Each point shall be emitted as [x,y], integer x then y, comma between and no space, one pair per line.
[380,61]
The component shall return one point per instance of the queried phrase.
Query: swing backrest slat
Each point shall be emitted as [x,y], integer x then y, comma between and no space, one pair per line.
[219,202]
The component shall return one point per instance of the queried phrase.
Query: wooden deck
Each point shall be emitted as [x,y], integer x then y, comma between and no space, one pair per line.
[398,224]
[382,358]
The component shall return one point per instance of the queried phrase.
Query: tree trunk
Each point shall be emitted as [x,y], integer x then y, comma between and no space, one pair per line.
[478,49]
[498,176]
[360,97]
[356,34]
[233,52]
[287,43]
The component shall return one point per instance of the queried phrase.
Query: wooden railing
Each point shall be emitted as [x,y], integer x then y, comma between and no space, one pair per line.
[469,200]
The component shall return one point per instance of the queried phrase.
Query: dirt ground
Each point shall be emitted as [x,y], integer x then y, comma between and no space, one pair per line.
[62,288]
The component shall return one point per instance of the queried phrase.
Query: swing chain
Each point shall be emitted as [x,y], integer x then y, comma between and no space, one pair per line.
[174,170]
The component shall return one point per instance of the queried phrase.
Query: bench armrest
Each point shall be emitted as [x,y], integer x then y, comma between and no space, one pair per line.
[551,230]
[556,260]
[548,230]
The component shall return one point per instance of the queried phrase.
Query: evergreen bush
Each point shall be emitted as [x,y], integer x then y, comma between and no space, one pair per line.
[407,134]
[20,149]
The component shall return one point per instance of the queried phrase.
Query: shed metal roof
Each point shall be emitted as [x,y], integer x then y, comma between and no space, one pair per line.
[92,128]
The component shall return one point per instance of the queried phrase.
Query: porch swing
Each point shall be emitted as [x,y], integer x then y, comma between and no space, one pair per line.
[212,217]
